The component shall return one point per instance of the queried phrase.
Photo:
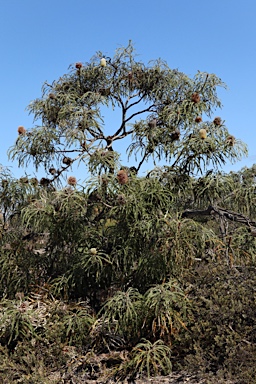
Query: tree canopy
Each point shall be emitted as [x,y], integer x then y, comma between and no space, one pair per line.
[150,272]
[163,111]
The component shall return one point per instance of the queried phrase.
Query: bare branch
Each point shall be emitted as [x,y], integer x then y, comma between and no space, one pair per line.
[230,215]
[139,112]
[135,103]
[142,161]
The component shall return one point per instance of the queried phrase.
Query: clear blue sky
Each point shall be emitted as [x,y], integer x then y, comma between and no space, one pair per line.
[39,39]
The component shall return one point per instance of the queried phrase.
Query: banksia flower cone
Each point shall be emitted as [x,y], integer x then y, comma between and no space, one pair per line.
[21,130]
[52,171]
[122,177]
[24,180]
[202,134]
[121,199]
[72,180]
[231,140]
[44,181]
[67,160]
[217,121]
[103,62]
[175,135]
[34,181]
[195,97]
[152,123]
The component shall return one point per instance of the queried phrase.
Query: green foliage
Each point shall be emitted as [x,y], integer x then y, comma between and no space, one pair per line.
[166,308]
[222,333]
[34,319]
[156,269]
[151,359]
[15,323]
[125,309]
[71,120]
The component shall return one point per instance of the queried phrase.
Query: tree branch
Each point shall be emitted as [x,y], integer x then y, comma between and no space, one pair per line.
[139,112]
[142,161]
[230,215]
[189,213]
[135,102]
[116,134]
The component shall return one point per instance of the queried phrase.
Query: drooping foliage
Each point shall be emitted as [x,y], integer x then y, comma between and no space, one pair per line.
[129,272]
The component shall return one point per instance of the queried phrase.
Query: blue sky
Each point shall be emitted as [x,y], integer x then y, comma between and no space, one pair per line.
[40,39]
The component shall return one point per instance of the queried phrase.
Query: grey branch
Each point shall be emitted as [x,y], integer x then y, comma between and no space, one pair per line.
[230,215]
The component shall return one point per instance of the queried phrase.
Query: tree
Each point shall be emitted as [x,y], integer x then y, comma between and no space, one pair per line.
[169,105]
[121,258]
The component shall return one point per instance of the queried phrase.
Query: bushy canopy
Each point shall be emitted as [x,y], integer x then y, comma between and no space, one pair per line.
[124,261]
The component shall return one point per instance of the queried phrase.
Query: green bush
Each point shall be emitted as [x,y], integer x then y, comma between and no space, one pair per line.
[157,266]
[222,337]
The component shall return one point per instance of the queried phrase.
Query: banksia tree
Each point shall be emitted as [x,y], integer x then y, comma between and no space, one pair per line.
[123,240]
[155,101]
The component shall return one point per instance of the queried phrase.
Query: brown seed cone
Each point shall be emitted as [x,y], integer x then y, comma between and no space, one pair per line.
[195,97]
[231,140]
[52,171]
[104,91]
[122,177]
[152,123]
[217,121]
[79,65]
[67,160]
[198,119]
[4,183]
[72,180]
[52,96]
[24,180]
[44,181]
[33,181]
[21,130]
[175,135]
[121,199]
